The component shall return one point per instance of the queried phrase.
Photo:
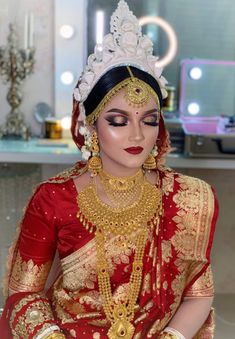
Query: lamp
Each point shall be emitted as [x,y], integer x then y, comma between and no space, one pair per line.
[170,34]
[66,125]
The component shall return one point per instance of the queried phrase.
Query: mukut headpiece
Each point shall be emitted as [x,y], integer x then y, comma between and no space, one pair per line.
[124,46]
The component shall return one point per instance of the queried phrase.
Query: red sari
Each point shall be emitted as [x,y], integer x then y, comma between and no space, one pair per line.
[176,263]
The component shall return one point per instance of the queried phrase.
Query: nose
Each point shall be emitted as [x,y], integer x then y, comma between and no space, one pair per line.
[136,133]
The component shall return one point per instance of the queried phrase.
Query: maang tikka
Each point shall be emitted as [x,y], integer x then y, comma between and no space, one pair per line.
[137,91]
[94,163]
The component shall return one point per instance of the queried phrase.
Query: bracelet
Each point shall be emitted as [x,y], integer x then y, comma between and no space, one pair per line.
[171,333]
[47,331]
[56,335]
[167,335]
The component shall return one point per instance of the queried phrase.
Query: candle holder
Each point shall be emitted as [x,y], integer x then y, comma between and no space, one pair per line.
[15,66]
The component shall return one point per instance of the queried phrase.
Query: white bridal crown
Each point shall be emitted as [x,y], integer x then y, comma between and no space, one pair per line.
[125,45]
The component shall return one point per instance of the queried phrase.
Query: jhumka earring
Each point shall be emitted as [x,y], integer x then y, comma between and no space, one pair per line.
[150,163]
[94,163]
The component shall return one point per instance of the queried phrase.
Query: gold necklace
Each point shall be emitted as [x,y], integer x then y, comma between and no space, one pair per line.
[122,191]
[125,221]
[122,221]
[120,314]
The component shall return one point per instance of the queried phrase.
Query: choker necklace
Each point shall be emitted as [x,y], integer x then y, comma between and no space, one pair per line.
[125,222]
[122,191]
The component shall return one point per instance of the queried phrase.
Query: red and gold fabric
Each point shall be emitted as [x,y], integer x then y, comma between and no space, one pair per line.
[176,262]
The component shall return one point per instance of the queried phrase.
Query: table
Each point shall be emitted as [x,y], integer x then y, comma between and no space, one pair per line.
[64,152]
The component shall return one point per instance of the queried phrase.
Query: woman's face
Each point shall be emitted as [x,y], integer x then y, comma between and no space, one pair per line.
[126,134]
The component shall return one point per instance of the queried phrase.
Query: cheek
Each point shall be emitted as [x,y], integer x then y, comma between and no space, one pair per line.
[152,136]
[109,142]
[108,135]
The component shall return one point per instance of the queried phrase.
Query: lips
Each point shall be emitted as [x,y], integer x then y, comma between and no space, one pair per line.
[134,150]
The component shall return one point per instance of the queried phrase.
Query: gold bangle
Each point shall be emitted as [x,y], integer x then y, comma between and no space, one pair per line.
[55,335]
[167,335]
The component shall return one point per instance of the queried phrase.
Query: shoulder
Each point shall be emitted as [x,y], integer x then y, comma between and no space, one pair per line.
[60,181]
[196,191]
[56,188]
[189,194]
[194,195]
[70,173]
[185,186]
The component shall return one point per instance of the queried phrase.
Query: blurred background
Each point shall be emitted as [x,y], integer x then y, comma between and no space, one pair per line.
[53,38]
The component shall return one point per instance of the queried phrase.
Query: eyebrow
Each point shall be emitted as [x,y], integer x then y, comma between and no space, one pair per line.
[117,110]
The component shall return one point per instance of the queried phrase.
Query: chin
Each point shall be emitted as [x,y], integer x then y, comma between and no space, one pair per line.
[126,161]
[136,161]
[133,164]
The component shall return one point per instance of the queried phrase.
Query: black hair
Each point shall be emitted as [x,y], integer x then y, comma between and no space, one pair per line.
[113,77]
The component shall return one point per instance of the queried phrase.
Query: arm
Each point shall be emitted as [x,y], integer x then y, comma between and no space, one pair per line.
[193,318]
[190,316]
[28,312]
[195,307]
[194,310]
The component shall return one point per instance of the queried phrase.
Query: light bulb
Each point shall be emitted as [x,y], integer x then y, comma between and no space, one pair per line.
[195,73]
[67,78]
[193,108]
[99,27]
[66,122]
[67,31]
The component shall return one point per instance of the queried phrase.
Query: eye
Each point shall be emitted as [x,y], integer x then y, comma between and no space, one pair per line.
[151,120]
[117,120]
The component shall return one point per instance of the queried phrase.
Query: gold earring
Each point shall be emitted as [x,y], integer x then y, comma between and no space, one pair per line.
[150,163]
[94,163]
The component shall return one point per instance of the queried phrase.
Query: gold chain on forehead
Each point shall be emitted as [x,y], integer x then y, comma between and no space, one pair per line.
[137,91]
[137,99]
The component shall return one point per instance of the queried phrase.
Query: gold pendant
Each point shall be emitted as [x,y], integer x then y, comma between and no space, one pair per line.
[122,329]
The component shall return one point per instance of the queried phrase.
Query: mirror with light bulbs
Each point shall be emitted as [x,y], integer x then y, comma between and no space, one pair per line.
[207,88]
[79,24]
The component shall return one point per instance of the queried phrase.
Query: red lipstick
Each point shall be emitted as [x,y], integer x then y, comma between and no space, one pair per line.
[134,150]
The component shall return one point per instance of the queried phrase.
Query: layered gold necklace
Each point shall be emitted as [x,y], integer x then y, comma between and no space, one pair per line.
[120,191]
[120,221]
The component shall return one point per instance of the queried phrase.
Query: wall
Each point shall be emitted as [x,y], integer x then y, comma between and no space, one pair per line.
[39,86]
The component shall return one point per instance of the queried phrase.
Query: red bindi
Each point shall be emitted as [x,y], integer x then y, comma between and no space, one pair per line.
[136,112]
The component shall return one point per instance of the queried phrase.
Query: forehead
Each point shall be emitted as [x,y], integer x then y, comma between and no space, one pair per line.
[119,101]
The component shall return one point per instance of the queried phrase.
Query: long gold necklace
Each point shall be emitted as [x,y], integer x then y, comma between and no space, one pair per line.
[108,221]
[120,314]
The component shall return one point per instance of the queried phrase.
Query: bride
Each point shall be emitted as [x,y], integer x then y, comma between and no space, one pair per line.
[129,239]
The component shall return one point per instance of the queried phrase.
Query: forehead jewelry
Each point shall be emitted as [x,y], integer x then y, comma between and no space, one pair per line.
[136,93]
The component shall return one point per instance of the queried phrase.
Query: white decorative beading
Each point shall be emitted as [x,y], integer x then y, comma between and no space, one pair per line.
[176,333]
[125,45]
[85,150]
[48,331]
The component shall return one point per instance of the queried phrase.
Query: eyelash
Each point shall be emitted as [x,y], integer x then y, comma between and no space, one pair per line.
[151,123]
[114,124]
[117,125]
